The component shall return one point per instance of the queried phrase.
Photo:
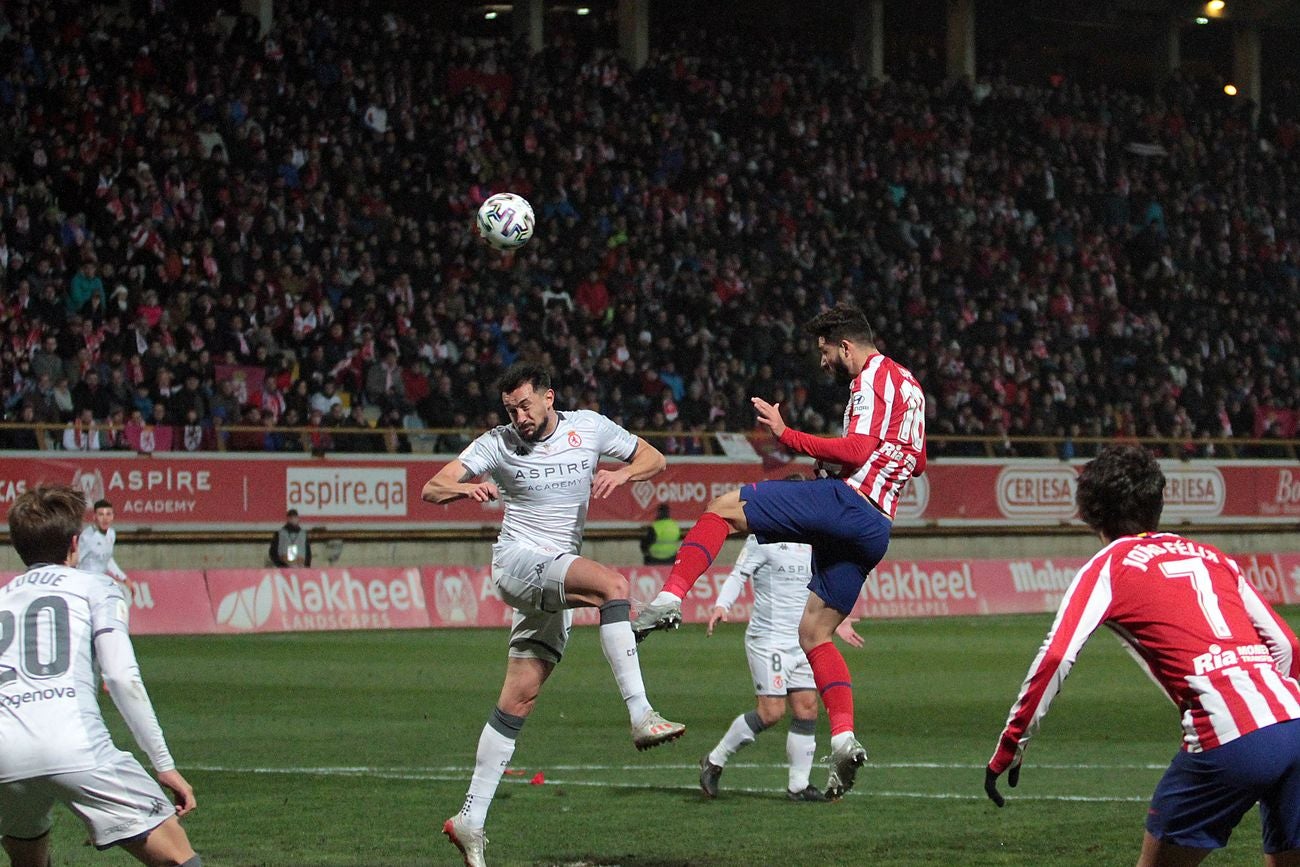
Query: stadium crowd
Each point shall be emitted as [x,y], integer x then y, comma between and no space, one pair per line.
[201,227]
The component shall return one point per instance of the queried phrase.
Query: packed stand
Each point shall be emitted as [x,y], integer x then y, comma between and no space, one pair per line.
[203,228]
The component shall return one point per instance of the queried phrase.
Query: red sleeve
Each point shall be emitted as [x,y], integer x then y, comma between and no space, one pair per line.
[852,450]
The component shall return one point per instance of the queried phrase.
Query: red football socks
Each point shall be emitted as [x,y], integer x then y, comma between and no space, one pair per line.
[696,554]
[835,685]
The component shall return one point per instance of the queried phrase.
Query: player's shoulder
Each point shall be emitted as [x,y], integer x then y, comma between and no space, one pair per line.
[64,579]
[583,419]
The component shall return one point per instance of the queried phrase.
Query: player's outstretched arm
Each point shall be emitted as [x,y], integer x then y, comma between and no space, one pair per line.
[647,462]
[850,450]
[455,482]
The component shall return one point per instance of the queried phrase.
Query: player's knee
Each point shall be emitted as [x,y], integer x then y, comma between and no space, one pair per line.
[770,716]
[613,585]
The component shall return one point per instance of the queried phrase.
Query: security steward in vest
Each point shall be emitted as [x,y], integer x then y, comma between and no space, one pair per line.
[289,546]
[661,540]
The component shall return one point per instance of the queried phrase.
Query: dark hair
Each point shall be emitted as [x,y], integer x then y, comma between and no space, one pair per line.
[1121,491]
[102,503]
[44,521]
[841,322]
[292,513]
[525,373]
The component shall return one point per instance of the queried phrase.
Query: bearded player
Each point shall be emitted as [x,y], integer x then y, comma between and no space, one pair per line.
[543,467]
[846,518]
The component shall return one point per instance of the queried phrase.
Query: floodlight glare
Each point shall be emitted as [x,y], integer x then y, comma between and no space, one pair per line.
[1215,6]
[1230,89]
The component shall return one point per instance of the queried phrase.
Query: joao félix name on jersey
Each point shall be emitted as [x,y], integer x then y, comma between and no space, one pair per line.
[1140,555]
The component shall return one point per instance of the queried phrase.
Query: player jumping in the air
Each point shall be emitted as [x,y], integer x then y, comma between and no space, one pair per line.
[543,467]
[846,518]
[1221,654]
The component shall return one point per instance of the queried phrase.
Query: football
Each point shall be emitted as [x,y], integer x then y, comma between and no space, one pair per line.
[506,221]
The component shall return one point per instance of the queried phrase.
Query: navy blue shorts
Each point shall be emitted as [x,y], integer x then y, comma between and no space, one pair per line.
[847,534]
[1203,796]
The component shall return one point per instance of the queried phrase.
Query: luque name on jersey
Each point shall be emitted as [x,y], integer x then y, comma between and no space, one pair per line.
[1218,658]
[1140,555]
[44,579]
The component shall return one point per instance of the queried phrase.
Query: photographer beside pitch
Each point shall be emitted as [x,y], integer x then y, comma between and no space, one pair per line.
[56,622]
[1219,651]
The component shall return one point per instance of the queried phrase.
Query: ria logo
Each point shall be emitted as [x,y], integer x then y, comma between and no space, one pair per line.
[248,608]
[643,492]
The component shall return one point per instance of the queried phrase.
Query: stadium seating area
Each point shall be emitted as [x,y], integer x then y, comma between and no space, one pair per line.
[201,228]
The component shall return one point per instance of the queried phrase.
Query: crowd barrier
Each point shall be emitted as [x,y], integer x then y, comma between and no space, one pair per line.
[231,601]
[211,492]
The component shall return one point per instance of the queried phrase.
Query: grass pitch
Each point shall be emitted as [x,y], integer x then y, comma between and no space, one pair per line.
[351,749]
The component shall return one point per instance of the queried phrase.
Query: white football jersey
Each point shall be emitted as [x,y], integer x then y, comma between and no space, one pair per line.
[49,713]
[95,551]
[780,572]
[546,486]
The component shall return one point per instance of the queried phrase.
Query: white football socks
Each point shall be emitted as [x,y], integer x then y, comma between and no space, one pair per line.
[740,734]
[799,750]
[619,644]
[496,745]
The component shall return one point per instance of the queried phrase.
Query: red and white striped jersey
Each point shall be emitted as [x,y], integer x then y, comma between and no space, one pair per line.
[885,401]
[1192,622]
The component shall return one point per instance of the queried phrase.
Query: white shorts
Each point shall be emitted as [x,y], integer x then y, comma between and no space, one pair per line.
[530,578]
[778,669]
[117,801]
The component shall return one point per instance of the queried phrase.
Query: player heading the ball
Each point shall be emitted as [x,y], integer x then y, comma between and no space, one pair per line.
[845,517]
[543,467]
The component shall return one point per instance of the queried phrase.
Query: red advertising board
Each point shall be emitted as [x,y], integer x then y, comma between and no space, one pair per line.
[167,491]
[308,600]
[314,600]
[172,602]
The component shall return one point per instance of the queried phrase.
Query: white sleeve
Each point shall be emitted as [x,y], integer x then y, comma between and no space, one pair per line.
[750,559]
[613,440]
[483,455]
[122,676]
[1277,636]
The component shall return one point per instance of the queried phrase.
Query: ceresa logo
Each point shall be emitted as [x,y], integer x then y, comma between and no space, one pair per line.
[248,608]
[916,496]
[455,598]
[1037,492]
[643,492]
[1193,491]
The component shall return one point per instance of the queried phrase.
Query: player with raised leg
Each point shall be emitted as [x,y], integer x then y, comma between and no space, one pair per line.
[780,573]
[55,622]
[1200,630]
[543,466]
[846,518]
